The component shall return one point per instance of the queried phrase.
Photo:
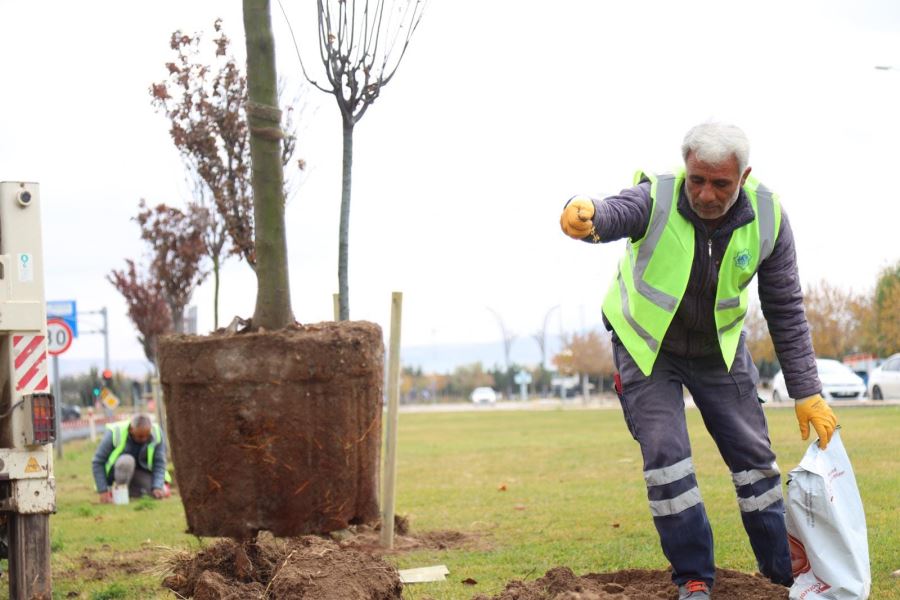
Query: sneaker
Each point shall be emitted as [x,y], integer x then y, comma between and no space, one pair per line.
[693,590]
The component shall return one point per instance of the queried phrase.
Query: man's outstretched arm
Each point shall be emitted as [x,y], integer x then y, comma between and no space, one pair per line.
[613,218]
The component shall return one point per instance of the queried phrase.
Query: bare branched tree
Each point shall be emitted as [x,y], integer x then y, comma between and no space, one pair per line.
[508,339]
[541,338]
[361,45]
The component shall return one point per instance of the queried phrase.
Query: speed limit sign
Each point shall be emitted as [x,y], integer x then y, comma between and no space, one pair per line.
[59,336]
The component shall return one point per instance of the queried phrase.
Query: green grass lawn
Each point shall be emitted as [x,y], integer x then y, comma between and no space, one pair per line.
[574,496]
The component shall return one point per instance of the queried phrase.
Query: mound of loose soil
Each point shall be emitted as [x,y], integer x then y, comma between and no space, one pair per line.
[308,567]
[633,584]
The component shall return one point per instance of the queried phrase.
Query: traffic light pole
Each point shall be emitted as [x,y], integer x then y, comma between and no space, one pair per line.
[105,338]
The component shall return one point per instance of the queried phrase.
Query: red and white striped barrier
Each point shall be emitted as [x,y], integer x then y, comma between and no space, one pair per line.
[30,361]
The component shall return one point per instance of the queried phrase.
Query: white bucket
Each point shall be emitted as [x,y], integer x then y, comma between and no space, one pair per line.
[120,494]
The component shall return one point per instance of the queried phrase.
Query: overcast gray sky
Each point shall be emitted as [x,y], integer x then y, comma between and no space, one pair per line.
[500,111]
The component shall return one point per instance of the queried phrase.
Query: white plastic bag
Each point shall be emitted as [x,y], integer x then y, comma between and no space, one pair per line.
[827,527]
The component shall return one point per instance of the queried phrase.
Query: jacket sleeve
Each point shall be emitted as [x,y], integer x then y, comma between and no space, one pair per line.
[98,464]
[782,305]
[159,464]
[624,215]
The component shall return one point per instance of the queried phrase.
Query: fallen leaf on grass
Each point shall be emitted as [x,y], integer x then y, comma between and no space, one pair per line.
[469,581]
[501,487]
[519,507]
[615,525]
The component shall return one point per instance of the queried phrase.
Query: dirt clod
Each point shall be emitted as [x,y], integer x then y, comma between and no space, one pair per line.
[308,567]
[560,583]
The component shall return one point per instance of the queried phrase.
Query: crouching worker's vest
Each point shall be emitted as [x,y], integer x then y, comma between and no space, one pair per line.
[120,436]
[654,272]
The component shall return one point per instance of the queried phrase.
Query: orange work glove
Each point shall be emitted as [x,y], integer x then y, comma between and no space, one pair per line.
[815,410]
[577,219]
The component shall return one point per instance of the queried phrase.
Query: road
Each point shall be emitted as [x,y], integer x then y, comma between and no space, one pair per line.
[601,402]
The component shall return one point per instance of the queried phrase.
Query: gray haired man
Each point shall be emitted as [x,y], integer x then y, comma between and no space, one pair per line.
[696,240]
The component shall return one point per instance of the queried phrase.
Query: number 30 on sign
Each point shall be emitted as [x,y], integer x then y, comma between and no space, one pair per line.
[59,336]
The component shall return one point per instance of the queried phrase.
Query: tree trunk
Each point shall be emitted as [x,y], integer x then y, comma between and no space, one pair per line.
[215,292]
[273,297]
[177,318]
[344,233]
[585,384]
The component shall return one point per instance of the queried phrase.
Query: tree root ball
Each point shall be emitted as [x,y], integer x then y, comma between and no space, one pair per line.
[275,430]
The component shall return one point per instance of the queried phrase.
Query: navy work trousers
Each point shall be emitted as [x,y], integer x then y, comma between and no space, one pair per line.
[654,412]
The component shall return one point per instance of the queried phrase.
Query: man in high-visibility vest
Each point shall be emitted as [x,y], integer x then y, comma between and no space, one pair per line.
[676,306]
[132,453]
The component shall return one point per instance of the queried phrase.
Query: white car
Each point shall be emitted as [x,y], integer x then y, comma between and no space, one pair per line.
[483,395]
[884,382]
[839,382]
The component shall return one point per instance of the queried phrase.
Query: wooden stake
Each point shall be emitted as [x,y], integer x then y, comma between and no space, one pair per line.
[336,299]
[393,398]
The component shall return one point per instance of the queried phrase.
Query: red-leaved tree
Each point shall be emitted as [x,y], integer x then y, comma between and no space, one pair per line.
[147,308]
[177,249]
[208,125]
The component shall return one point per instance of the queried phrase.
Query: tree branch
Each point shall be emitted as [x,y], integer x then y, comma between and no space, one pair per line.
[297,50]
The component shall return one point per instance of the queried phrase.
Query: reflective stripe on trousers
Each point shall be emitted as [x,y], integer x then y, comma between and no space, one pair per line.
[657,478]
[757,489]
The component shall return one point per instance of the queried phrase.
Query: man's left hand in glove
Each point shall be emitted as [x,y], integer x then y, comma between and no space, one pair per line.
[816,411]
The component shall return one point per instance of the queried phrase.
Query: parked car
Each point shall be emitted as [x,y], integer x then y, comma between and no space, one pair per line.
[483,395]
[884,381]
[70,412]
[839,382]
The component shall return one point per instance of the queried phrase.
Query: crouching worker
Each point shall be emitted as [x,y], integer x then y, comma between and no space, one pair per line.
[132,453]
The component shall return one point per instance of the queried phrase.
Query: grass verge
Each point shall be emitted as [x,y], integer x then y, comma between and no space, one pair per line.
[544,488]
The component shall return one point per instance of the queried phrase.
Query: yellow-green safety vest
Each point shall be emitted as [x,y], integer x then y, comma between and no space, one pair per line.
[120,436]
[653,274]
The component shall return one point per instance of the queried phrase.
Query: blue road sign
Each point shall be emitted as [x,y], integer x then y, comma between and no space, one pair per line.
[65,310]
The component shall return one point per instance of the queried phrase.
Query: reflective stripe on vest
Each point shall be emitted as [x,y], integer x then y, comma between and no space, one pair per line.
[120,436]
[653,275]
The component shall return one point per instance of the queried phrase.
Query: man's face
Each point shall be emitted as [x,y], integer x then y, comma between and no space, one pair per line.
[141,435]
[713,189]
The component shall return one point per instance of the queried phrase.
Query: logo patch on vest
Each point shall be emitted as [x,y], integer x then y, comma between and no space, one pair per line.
[742,259]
